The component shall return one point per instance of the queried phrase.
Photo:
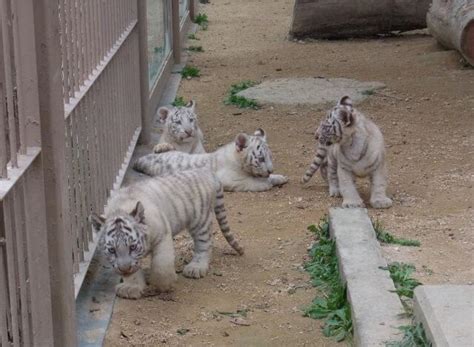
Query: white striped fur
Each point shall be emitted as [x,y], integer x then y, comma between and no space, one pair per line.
[243,165]
[355,148]
[143,218]
[181,130]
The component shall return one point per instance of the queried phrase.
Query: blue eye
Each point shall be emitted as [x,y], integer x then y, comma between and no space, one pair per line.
[261,159]
[111,250]
[133,247]
[178,122]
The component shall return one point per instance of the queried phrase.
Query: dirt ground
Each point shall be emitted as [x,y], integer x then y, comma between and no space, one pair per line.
[426,114]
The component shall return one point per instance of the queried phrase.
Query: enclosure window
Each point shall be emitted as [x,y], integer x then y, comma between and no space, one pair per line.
[158,36]
[183,7]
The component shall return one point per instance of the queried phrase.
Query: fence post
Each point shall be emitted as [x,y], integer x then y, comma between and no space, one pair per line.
[192,9]
[175,27]
[53,156]
[144,84]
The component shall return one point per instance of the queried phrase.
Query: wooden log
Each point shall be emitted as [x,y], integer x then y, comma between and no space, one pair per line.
[451,22]
[329,19]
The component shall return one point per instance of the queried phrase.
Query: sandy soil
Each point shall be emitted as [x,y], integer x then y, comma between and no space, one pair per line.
[426,114]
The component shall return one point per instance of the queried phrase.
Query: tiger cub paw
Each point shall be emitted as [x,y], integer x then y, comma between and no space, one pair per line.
[334,192]
[278,180]
[381,202]
[129,291]
[163,147]
[195,270]
[353,204]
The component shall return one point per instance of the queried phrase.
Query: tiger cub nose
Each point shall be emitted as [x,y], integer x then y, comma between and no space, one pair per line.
[189,132]
[125,268]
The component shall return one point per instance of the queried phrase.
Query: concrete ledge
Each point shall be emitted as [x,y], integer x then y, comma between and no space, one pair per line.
[447,314]
[376,308]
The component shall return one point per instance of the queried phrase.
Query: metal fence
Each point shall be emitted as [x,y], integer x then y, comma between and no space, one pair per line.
[75,97]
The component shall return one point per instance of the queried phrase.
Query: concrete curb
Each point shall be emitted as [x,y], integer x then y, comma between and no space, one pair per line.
[447,314]
[375,307]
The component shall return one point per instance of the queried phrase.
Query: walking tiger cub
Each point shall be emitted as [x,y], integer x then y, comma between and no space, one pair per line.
[143,218]
[243,165]
[350,145]
[181,130]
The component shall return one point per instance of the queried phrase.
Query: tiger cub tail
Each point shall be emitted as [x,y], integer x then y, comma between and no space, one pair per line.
[221,217]
[318,161]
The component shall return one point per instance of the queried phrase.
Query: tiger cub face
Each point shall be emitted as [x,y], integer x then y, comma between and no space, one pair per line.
[180,122]
[338,123]
[125,241]
[255,155]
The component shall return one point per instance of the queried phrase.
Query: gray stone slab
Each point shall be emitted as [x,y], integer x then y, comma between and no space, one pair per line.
[95,302]
[376,308]
[311,90]
[447,314]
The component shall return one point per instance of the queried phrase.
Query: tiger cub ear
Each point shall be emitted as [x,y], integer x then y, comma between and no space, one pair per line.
[346,101]
[347,117]
[191,104]
[260,132]
[163,112]
[96,221]
[138,212]
[241,142]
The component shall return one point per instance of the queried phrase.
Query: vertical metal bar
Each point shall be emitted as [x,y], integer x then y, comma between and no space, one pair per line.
[71,159]
[143,61]
[12,269]
[3,113]
[80,41]
[3,291]
[192,10]
[69,49]
[19,80]
[64,53]
[5,19]
[19,220]
[52,136]
[175,31]
[38,255]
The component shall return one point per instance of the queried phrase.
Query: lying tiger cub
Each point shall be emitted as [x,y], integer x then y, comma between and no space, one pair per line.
[350,145]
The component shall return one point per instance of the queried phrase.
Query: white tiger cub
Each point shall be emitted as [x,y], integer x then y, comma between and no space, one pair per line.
[181,129]
[242,165]
[354,147]
[143,218]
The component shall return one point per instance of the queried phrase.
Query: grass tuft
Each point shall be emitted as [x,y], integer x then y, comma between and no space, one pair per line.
[401,276]
[413,336]
[385,237]
[202,21]
[179,102]
[190,71]
[332,305]
[192,37]
[195,49]
[240,101]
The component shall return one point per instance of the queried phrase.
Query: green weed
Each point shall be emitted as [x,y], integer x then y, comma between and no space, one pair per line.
[192,37]
[202,21]
[332,305]
[240,101]
[195,49]
[413,336]
[190,71]
[401,276]
[179,102]
[368,92]
[385,237]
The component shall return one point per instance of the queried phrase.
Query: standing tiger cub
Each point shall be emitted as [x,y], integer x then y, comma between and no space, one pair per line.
[351,145]
[181,130]
[143,218]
